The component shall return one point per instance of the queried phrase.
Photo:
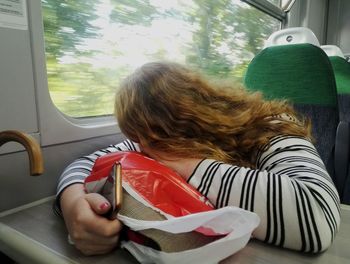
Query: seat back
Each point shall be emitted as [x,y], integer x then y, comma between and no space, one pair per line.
[341,70]
[333,50]
[290,36]
[302,74]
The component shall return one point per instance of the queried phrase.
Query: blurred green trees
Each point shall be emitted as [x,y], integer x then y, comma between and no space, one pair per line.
[228,36]
[66,24]
[92,44]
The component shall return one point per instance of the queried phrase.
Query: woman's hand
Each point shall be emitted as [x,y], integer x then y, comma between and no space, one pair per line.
[91,233]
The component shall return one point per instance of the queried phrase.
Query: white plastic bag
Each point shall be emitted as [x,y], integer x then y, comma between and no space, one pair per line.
[236,223]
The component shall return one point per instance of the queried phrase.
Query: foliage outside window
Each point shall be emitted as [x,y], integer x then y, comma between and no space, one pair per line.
[93,44]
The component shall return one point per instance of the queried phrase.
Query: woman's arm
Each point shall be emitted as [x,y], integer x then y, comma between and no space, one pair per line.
[291,191]
[77,171]
[90,231]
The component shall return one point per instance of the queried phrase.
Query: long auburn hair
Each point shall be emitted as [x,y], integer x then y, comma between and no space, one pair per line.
[168,108]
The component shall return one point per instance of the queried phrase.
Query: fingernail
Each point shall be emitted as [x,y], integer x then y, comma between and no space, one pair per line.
[104,206]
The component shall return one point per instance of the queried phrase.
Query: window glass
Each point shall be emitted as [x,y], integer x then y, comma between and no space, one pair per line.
[92,44]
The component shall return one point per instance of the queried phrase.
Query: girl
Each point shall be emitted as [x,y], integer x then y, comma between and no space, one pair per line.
[234,147]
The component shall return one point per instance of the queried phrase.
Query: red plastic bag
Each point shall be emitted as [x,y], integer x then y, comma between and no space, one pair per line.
[186,228]
[157,184]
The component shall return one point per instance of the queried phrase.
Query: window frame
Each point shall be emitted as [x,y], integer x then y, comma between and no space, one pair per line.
[54,126]
[268,8]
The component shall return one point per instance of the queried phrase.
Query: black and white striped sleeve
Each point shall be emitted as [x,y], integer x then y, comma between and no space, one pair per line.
[291,191]
[77,171]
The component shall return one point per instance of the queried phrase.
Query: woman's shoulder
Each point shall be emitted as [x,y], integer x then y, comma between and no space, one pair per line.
[125,145]
[287,145]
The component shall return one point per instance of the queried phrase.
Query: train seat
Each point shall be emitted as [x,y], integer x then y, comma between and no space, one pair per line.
[301,73]
[290,36]
[341,68]
[347,57]
[333,50]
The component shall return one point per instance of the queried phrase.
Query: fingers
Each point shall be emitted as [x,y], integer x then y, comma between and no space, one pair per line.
[92,237]
[90,244]
[104,227]
[91,232]
[100,225]
[94,234]
[98,203]
[94,248]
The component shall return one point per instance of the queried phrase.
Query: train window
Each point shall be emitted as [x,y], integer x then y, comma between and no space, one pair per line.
[275,2]
[91,45]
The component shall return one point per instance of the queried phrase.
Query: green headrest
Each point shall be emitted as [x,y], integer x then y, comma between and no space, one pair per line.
[300,73]
[342,74]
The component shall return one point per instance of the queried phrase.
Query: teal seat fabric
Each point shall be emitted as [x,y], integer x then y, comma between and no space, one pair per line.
[300,73]
[303,75]
[342,76]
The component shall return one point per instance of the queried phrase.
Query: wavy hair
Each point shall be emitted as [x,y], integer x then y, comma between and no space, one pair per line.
[168,108]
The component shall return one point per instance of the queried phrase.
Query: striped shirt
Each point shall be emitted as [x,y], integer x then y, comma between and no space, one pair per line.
[290,190]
